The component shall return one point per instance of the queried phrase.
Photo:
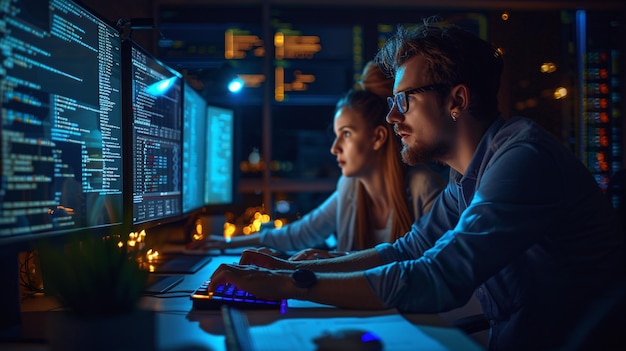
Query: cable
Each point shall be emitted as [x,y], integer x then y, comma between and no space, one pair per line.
[30,279]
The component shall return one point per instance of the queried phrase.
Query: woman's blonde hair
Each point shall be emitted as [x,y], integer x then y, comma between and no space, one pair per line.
[369,99]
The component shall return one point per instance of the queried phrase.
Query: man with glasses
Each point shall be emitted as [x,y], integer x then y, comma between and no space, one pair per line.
[522,223]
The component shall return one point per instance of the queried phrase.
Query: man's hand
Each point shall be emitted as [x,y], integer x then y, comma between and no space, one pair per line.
[264,283]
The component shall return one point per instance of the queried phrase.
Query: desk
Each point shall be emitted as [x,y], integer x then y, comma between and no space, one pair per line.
[179,328]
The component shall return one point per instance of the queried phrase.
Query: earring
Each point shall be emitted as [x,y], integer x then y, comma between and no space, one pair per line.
[454,115]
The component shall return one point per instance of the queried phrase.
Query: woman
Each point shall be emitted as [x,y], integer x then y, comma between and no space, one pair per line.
[371,203]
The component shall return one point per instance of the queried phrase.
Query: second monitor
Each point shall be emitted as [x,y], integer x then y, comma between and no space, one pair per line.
[154,94]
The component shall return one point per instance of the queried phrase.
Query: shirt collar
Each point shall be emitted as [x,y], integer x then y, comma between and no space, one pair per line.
[483,147]
[466,183]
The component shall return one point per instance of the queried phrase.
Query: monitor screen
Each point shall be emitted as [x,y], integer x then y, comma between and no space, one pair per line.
[61,135]
[194,149]
[220,170]
[156,102]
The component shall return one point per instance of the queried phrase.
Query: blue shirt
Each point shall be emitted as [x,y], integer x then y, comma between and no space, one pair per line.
[527,229]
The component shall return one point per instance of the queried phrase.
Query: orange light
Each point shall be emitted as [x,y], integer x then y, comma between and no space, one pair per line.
[278,223]
[560,93]
[548,67]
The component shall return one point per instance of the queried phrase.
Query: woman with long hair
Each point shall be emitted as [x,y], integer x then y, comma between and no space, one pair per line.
[374,196]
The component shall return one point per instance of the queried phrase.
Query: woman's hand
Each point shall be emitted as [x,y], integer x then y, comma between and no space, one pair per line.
[269,251]
[314,254]
[217,242]
[264,259]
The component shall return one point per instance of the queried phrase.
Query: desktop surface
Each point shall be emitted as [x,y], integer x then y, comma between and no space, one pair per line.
[178,326]
[178,263]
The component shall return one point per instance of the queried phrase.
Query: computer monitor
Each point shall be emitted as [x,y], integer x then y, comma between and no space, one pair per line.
[153,95]
[194,149]
[220,174]
[61,121]
[61,131]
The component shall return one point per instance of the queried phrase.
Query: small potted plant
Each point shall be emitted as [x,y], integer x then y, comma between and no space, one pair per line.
[98,281]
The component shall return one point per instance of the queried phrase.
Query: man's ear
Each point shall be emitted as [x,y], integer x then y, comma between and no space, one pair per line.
[459,99]
[380,137]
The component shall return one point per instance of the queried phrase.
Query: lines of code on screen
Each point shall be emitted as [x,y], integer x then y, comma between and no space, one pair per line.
[157,138]
[61,119]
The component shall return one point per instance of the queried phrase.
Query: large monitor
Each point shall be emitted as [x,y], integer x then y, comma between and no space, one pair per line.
[154,106]
[61,121]
[61,168]
[194,149]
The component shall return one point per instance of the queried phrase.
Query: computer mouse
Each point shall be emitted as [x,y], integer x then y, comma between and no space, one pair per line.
[349,339]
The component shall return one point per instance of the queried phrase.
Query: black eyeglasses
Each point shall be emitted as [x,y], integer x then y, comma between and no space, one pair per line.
[400,100]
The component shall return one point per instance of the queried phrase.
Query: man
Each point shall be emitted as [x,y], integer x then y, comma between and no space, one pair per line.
[522,223]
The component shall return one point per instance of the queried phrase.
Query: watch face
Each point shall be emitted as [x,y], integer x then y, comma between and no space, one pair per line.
[304,278]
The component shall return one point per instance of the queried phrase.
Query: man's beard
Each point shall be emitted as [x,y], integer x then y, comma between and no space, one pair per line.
[420,152]
[413,155]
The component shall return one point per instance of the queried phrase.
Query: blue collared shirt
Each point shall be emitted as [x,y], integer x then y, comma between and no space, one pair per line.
[526,228]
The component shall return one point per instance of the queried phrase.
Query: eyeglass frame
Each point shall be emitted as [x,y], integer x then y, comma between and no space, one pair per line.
[393,100]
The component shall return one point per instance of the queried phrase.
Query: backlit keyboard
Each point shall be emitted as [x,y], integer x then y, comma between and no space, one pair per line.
[232,296]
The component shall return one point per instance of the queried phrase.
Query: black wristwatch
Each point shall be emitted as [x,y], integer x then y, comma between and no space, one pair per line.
[304,278]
